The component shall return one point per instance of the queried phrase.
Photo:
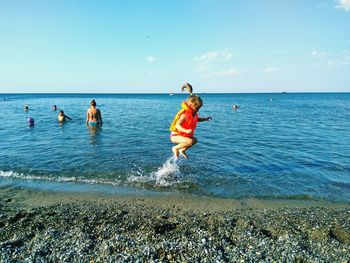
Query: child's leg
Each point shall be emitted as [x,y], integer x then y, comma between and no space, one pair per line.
[182,151]
[183,143]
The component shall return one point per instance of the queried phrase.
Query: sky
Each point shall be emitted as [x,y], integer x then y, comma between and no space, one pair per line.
[154,46]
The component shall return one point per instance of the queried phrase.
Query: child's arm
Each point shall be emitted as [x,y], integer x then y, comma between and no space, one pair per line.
[67,117]
[204,119]
[179,127]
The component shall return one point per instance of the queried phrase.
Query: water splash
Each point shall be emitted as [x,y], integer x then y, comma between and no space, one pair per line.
[169,172]
[167,175]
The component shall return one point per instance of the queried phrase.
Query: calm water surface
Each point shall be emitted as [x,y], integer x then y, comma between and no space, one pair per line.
[274,145]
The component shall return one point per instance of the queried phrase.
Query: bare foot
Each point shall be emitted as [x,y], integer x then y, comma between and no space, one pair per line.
[183,153]
[175,151]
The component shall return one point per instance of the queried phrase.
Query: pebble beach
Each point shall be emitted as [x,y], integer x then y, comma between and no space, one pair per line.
[175,131]
[42,226]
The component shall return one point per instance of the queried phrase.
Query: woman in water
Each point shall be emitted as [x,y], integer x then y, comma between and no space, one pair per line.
[93,115]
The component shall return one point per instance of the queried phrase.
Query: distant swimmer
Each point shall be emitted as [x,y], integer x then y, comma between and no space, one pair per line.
[62,117]
[93,115]
[184,124]
[30,121]
[26,108]
[54,107]
[235,107]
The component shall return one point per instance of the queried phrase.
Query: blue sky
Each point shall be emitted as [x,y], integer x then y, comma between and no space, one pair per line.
[156,46]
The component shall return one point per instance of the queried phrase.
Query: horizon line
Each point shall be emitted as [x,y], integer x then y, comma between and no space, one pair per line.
[174,93]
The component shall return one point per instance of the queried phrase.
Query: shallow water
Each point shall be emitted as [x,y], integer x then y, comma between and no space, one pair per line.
[275,145]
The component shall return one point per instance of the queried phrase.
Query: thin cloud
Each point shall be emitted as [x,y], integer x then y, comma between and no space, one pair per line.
[340,61]
[269,70]
[212,59]
[215,55]
[224,73]
[343,4]
[278,52]
[151,59]
[319,54]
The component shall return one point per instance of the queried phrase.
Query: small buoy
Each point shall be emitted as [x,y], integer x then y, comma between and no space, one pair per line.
[30,121]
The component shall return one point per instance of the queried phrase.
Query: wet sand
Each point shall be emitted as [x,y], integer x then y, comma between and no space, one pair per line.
[46,226]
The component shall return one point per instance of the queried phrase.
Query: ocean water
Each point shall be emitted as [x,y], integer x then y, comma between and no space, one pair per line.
[286,145]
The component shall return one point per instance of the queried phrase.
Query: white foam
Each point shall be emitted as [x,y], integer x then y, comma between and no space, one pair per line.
[166,175]
[15,175]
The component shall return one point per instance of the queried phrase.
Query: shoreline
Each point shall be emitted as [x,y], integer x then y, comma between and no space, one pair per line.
[58,226]
[30,197]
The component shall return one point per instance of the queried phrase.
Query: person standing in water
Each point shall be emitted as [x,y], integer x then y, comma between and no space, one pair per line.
[93,115]
[184,124]
[62,117]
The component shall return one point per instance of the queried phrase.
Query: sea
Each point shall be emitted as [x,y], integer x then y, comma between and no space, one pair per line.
[275,145]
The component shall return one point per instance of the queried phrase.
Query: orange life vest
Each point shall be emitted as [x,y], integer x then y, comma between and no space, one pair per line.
[189,123]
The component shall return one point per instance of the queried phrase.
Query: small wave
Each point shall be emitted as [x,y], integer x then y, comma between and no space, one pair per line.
[167,175]
[15,175]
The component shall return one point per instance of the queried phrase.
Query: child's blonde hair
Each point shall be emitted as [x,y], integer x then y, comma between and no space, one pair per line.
[196,100]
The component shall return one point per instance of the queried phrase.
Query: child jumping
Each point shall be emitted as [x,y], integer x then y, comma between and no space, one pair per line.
[184,124]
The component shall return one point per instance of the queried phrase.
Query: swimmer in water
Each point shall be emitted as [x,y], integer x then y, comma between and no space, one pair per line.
[26,108]
[62,117]
[93,115]
[30,121]
[54,107]
[184,124]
